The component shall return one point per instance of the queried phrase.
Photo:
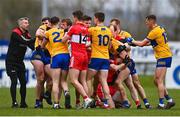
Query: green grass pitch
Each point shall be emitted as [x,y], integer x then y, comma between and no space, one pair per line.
[147,82]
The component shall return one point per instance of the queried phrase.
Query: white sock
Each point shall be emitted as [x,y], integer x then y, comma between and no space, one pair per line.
[162,105]
[87,99]
[170,100]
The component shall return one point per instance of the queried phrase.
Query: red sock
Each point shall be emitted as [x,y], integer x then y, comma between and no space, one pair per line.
[137,102]
[85,97]
[77,101]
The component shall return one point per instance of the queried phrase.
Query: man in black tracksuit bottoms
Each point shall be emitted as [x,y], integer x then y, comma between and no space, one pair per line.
[20,39]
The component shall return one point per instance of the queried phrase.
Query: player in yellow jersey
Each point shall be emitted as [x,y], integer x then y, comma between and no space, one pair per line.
[158,39]
[122,35]
[59,61]
[41,62]
[118,33]
[99,63]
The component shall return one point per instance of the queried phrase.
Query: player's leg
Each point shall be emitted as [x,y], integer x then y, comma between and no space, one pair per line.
[93,68]
[119,84]
[55,89]
[90,74]
[159,79]
[103,74]
[133,91]
[12,73]
[60,92]
[65,88]
[74,75]
[22,80]
[160,73]
[140,90]
[82,80]
[49,84]
[39,70]
[13,87]
[95,85]
[117,99]
[64,65]
[78,103]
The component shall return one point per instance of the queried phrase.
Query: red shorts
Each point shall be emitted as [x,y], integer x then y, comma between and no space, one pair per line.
[79,61]
[100,93]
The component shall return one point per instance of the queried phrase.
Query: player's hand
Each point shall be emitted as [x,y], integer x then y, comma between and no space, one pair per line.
[115,67]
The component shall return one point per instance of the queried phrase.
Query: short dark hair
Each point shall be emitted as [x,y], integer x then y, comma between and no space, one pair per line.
[116,20]
[86,18]
[78,14]
[45,18]
[151,17]
[100,16]
[54,20]
[68,21]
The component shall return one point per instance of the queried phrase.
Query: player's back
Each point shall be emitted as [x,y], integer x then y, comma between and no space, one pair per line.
[159,42]
[55,40]
[101,36]
[38,40]
[79,35]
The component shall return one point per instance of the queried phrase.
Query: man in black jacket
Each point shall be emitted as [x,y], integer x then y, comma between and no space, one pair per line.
[20,39]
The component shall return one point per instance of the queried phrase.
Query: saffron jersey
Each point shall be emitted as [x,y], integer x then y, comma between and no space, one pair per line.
[159,42]
[100,36]
[54,36]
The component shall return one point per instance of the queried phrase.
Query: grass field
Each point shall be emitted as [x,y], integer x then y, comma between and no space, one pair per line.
[147,82]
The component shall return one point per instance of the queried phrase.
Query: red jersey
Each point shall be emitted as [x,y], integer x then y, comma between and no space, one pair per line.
[79,35]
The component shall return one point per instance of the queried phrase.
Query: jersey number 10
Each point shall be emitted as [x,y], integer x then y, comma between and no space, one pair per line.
[103,40]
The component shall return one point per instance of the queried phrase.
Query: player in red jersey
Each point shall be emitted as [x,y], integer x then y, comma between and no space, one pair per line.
[77,36]
[87,21]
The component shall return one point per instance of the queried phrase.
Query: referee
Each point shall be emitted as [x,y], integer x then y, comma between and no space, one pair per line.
[20,39]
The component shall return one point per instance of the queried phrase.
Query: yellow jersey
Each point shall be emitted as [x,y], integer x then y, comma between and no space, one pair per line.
[114,46]
[54,37]
[100,36]
[158,39]
[39,41]
[124,34]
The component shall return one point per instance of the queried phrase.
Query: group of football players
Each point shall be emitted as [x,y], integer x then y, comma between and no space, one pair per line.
[96,60]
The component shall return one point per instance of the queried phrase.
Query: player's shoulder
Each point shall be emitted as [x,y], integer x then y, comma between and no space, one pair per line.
[125,33]
[91,29]
[43,27]
[156,30]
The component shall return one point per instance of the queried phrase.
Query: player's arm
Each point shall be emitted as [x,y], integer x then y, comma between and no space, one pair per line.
[88,44]
[68,35]
[142,43]
[45,40]
[118,67]
[44,43]
[40,33]
[65,38]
